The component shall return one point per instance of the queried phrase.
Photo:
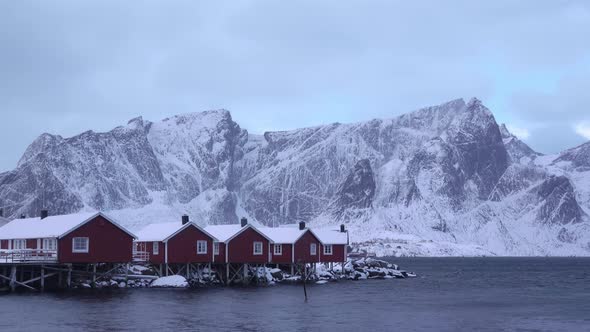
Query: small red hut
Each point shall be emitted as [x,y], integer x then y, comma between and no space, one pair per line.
[75,238]
[293,244]
[334,243]
[175,243]
[243,244]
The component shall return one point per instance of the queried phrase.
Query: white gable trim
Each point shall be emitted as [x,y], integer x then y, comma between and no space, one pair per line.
[98,214]
[244,229]
[186,226]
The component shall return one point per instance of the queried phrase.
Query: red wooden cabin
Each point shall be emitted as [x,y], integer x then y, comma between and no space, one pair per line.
[175,243]
[293,244]
[242,243]
[334,243]
[76,238]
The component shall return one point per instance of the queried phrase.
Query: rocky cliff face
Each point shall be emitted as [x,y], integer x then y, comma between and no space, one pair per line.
[447,174]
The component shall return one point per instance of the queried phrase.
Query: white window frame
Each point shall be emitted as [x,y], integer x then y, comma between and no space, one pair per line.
[313,249]
[216,248]
[326,251]
[20,244]
[201,247]
[50,244]
[155,248]
[278,249]
[80,251]
[254,245]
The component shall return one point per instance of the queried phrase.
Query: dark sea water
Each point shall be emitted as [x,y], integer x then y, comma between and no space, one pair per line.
[451,294]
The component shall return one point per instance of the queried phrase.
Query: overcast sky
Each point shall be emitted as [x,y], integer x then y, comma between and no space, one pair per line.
[70,66]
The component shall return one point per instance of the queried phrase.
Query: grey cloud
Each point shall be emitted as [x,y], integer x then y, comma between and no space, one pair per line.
[68,66]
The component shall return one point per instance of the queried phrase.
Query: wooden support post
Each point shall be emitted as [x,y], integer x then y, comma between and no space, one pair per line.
[94,275]
[210,274]
[227,274]
[42,278]
[304,279]
[245,280]
[126,274]
[188,271]
[265,274]
[69,280]
[166,269]
[292,269]
[13,278]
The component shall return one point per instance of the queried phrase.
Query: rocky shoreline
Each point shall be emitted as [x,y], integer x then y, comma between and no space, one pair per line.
[354,269]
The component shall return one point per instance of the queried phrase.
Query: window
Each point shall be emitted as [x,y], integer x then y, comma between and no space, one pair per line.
[80,244]
[20,244]
[278,249]
[201,247]
[313,249]
[49,244]
[257,248]
[155,248]
[328,249]
[216,248]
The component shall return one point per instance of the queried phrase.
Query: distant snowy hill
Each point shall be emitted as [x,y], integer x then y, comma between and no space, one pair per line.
[443,180]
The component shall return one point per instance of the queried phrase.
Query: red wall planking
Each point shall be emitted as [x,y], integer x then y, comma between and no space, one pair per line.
[182,248]
[241,248]
[107,244]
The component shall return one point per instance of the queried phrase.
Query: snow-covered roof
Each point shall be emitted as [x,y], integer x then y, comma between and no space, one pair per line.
[223,232]
[158,231]
[50,227]
[282,234]
[331,236]
[164,231]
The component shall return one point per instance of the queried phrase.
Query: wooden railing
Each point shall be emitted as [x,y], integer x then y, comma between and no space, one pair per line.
[141,256]
[27,255]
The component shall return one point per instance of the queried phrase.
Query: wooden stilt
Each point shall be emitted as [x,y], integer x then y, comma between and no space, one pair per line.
[13,278]
[42,278]
[69,280]
[126,274]
[227,274]
[93,275]
[265,274]
[245,280]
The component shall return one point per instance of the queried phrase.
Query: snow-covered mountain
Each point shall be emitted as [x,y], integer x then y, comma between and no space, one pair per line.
[443,180]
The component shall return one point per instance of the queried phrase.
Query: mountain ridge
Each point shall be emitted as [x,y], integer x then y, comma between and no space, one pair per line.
[446,173]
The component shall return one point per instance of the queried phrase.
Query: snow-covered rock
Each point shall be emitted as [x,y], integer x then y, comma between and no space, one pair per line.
[174,281]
